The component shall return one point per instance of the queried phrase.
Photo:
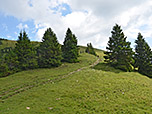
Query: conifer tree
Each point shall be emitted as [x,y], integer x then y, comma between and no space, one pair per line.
[4,71]
[1,42]
[9,64]
[143,56]
[49,51]
[119,53]
[12,62]
[25,52]
[70,48]
[3,66]
[90,49]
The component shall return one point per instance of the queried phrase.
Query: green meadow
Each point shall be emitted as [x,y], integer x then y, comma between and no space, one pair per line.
[76,88]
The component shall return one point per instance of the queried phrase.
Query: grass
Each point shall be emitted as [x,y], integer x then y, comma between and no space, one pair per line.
[38,76]
[93,90]
[89,91]
[7,43]
[105,67]
[11,43]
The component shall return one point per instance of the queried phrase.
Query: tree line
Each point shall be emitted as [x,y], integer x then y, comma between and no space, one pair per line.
[48,54]
[120,55]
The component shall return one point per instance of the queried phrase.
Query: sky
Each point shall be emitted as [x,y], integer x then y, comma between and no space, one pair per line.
[90,20]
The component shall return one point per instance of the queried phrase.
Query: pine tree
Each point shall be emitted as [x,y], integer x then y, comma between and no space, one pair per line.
[12,62]
[4,71]
[3,67]
[49,51]
[25,52]
[8,64]
[70,48]
[143,56]
[119,53]
[90,49]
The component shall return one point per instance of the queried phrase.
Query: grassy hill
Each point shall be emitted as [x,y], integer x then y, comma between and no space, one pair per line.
[11,43]
[78,88]
[7,43]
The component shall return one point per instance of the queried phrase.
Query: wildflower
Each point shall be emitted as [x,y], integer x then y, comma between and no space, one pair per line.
[27,108]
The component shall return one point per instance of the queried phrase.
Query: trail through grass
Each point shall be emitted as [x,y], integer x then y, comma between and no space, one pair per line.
[35,79]
[86,90]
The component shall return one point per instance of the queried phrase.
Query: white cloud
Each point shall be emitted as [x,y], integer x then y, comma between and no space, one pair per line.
[90,20]
[21,26]
[75,19]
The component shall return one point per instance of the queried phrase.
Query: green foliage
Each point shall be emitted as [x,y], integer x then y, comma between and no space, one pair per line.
[22,57]
[12,62]
[106,67]
[119,54]
[70,48]
[90,49]
[9,64]
[4,70]
[49,51]
[1,42]
[25,52]
[17,55]
[143,56]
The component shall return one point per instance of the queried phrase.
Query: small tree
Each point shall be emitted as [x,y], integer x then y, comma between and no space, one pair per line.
[1,42]
[12,62]
[119,53]
[49,51]
[4,71]
[90,49]
[143,56]
[25,52]
[70,48]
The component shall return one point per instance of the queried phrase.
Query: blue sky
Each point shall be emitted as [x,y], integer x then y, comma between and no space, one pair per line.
[63,8]
[91,21]
[11,26]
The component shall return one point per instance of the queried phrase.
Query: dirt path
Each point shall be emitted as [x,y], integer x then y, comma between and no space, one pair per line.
[16,90]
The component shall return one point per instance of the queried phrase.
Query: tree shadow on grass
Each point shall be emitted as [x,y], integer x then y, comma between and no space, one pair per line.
[107,68]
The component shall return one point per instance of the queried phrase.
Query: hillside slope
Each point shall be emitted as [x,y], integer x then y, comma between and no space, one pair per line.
[87,91]
[76,88]
[11,43]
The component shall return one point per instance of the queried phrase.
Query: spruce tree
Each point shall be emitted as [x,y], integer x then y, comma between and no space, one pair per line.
[4,70]
[143,56]
[9,64]
[49,51]
[25,52]
[90,49]
[119,53]
[70,48]
[12,62]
